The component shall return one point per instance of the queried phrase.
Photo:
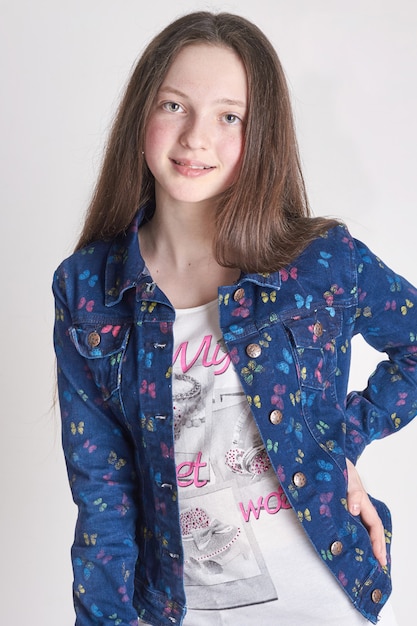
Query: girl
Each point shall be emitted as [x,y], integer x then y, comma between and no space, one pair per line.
[203,335]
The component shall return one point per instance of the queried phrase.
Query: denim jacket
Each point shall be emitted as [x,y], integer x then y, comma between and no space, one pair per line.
[289,337]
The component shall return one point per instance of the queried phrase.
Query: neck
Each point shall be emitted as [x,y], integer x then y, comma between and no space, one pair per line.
[177,246]
[182,234]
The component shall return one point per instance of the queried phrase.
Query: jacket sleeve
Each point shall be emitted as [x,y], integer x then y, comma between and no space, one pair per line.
[386,317]
[99,463]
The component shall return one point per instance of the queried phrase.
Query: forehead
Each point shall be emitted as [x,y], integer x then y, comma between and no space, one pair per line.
[208,69]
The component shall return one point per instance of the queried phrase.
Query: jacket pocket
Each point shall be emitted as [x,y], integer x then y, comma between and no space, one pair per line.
[103,346]
[313,338]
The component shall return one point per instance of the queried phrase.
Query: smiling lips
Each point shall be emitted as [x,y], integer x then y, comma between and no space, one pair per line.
[191,168]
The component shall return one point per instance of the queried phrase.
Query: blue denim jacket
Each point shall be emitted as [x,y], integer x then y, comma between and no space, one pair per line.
[289,331]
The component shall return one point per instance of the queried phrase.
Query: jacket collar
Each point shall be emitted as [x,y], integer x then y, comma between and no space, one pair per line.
[125,267]
[272,280]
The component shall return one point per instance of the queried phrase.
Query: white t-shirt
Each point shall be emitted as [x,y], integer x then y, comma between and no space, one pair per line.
[247,558]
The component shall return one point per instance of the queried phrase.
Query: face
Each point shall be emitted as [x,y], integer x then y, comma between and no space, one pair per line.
[195,134]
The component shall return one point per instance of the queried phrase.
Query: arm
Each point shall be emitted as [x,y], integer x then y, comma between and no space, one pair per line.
[99,463]
[387,319]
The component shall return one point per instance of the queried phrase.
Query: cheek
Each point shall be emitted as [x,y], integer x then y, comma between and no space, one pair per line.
[233,153]
[155,138]
[155,146]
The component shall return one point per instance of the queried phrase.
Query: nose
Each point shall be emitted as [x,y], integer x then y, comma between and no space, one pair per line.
[195,133]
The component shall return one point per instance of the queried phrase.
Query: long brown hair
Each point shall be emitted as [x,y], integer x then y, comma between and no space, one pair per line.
[264,219]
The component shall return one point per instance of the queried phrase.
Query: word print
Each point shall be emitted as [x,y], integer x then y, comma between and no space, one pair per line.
[209,350]
[271,504]
[187,473]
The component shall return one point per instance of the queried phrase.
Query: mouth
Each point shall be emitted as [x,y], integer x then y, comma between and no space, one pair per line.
[193,165]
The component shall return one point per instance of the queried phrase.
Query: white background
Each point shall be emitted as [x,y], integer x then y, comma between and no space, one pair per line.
[352,72]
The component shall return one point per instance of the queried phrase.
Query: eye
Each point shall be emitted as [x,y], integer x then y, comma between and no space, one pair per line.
[231,119]
[172,107]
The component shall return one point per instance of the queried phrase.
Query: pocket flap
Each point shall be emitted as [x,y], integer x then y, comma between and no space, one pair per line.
[96,341]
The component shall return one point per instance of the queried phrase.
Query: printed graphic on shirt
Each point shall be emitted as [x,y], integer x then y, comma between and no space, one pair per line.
[226,485]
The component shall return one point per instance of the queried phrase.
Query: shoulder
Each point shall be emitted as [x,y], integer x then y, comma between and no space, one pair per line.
[85,265]
[93,279]
[333,247]
[79,282]
[326,270]
[94,258]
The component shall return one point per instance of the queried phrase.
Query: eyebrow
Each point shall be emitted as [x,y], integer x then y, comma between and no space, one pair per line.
[181,94]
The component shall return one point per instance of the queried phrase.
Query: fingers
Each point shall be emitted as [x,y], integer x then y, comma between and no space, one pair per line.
[359,504]
[372,522]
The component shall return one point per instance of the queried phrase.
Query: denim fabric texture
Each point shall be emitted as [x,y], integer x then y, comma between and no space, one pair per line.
[289,337]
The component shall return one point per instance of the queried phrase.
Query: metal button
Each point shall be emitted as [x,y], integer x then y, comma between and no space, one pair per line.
[318,329]
[275,417]
[94,339]
[336,548]
[239,294]
[299,479]
[253,350]
[376,596]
